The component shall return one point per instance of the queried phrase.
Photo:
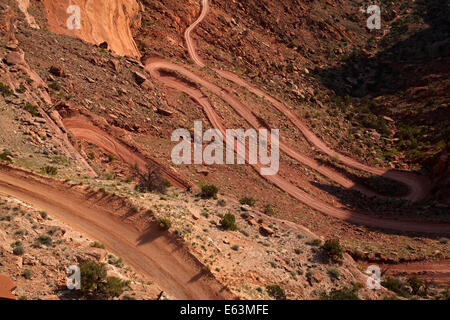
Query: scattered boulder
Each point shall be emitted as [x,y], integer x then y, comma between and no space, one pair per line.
[57,71]
[204,172]
[139,77]
[14,58]
[164,112]
[115,65]
[265,230]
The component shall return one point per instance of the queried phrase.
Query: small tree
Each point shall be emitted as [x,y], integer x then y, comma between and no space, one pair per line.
[228,222]
[248,201]
[114,287]
[151,180]
[93,276]
[94,281]
[209,191]
[333,249]
[275,291]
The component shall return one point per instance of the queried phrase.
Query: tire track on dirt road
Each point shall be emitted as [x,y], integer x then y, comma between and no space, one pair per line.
[418,186]
[151,252]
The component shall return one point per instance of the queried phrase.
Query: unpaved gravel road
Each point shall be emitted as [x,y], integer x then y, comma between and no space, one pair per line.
[151,252]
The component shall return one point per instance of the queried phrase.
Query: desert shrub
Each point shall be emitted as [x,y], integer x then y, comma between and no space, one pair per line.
[341,294]
[269,210]
[5,90]
[32,109]
[6,156]
[333,249]
[276,292]
[164,223]
[334,273]
[94,281]
[235,247]
[18,250]
[96,244]
[44,239]
[114,287]
[110,175]
[111,158]
[396,285]
[209,191]
[27,274]
[415,284]
[151,180]
[228,222]
[248,201]
[115,261]
[43,214]
[314,242]
[52,171]
[221,203]
[54,85]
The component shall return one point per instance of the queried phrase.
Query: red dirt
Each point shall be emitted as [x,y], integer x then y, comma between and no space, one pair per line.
[418,185]
[151,252]
[435,271]
[153,65]
[82,128]
[6,286]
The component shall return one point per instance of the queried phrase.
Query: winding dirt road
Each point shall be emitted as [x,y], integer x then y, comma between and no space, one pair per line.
[155,65]
[418,186]
[151,252]
[82,128]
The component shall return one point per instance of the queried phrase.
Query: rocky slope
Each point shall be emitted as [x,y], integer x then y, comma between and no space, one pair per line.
[114,96]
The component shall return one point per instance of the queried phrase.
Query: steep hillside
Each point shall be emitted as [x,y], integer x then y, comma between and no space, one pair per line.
[363,156]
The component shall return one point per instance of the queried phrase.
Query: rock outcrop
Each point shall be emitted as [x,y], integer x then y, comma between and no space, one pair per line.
[102,21]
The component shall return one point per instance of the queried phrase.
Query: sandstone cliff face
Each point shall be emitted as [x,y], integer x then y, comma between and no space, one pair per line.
[101,21]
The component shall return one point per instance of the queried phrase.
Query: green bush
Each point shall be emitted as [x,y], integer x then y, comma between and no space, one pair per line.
[52,171]
[32,109]
[114,287]
[341,294]
[248,201]
[18,250]
[333,249]
[6,156]
[228,222]
[27,274]
[221,203]
[44,239]
[96,244]
[276,292]
[396,285]
[334,273]
[164,223]
[314,242]
[151,180]
[94,281]
[209,191]
[5,90]
[269,210]
[415,284]
[43,214]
